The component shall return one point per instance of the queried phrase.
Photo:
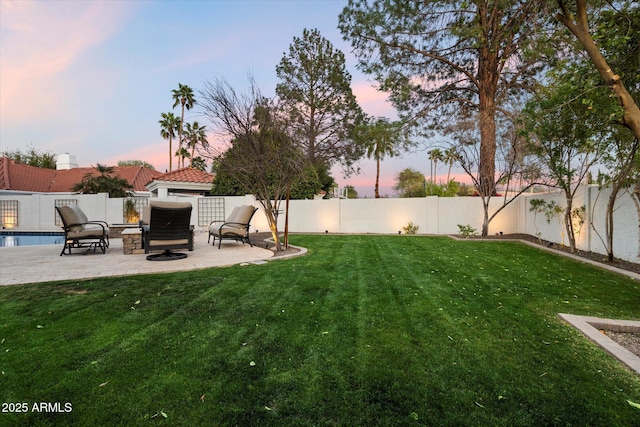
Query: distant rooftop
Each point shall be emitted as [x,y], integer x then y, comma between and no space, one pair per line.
[186,175]
[182,181]
[20,177]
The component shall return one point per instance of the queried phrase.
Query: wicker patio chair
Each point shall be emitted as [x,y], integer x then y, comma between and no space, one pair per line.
[168,229]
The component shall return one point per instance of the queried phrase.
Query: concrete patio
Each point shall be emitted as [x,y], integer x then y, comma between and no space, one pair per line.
[32,264]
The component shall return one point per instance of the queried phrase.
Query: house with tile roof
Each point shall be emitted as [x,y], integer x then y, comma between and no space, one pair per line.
[18,178]
[184,181]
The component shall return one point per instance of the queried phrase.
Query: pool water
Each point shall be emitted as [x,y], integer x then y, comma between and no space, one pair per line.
[15,238]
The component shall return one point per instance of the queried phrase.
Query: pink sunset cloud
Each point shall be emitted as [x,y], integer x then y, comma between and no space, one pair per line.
[41,41]
[155,154]
[372,101]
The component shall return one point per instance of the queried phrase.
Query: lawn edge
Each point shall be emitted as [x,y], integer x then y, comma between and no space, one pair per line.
[611,268]
[590,327]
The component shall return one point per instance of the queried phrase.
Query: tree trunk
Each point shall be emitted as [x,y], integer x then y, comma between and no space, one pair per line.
[286,218]
[435,170]
[181,125]
[609,219]
[269,211]
[568,223]
[170,153]
[635,196]
[431,170]
[618,183]
[485,220]
[487,87]
[487,166]
[580,29]
[377,192]
[273,227]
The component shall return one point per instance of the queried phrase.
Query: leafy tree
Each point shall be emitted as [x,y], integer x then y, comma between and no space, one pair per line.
[410,183]
[103,183]
[625,15]
[195,136]
[198,163]
[617,33]
[549,209]
[307,185]
[184,97]
[443,60]
[327,183]
[563,137]
[304,187]
[262,157]
[168,126]
[513,159]
[352,193]
[315,91]
[603,123]
[622,163]
[224,184]
[380,138]
[449,189]
[465,189]
[136,163]
[32,157]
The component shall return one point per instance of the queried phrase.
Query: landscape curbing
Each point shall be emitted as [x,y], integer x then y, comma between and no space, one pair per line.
[591,326]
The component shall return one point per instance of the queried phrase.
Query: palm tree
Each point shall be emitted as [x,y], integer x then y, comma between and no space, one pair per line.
[450,157]
[195,135]
[182,154]
[183,96]
[103,183]
[435,156]
[168,126]
[380,138]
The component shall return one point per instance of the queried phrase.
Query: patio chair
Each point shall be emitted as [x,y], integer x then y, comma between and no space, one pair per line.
[235,227]
[168,229]
[79,232]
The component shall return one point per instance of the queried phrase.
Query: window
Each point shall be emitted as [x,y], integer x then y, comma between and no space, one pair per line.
[210,209]
[9,213]
[62,202]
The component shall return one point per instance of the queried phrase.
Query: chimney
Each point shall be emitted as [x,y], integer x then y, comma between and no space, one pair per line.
[66,161]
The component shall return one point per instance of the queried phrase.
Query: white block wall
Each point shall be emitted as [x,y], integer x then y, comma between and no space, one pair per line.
[433,215]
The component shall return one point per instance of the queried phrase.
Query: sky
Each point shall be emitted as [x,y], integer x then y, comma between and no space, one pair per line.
[91,78]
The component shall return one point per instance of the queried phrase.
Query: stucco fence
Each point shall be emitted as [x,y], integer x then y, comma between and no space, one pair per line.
[432,215]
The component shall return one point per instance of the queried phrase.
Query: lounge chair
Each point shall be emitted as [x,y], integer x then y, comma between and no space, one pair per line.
[168,229]
[79,232]
[235,227]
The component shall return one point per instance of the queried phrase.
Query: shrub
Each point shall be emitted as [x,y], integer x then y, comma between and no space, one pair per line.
[410,228]
[466,231]
[130,213]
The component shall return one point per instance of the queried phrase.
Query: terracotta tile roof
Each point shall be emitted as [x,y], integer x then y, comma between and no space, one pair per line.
[187,175]
[24,177]
[16,176]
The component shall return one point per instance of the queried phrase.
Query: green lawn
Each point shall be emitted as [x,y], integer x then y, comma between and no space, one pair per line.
[363,331]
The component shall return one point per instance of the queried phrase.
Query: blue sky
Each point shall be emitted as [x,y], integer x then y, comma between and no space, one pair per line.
[92,78]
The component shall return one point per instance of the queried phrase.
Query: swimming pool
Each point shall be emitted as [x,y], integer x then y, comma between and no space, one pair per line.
[30,238]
